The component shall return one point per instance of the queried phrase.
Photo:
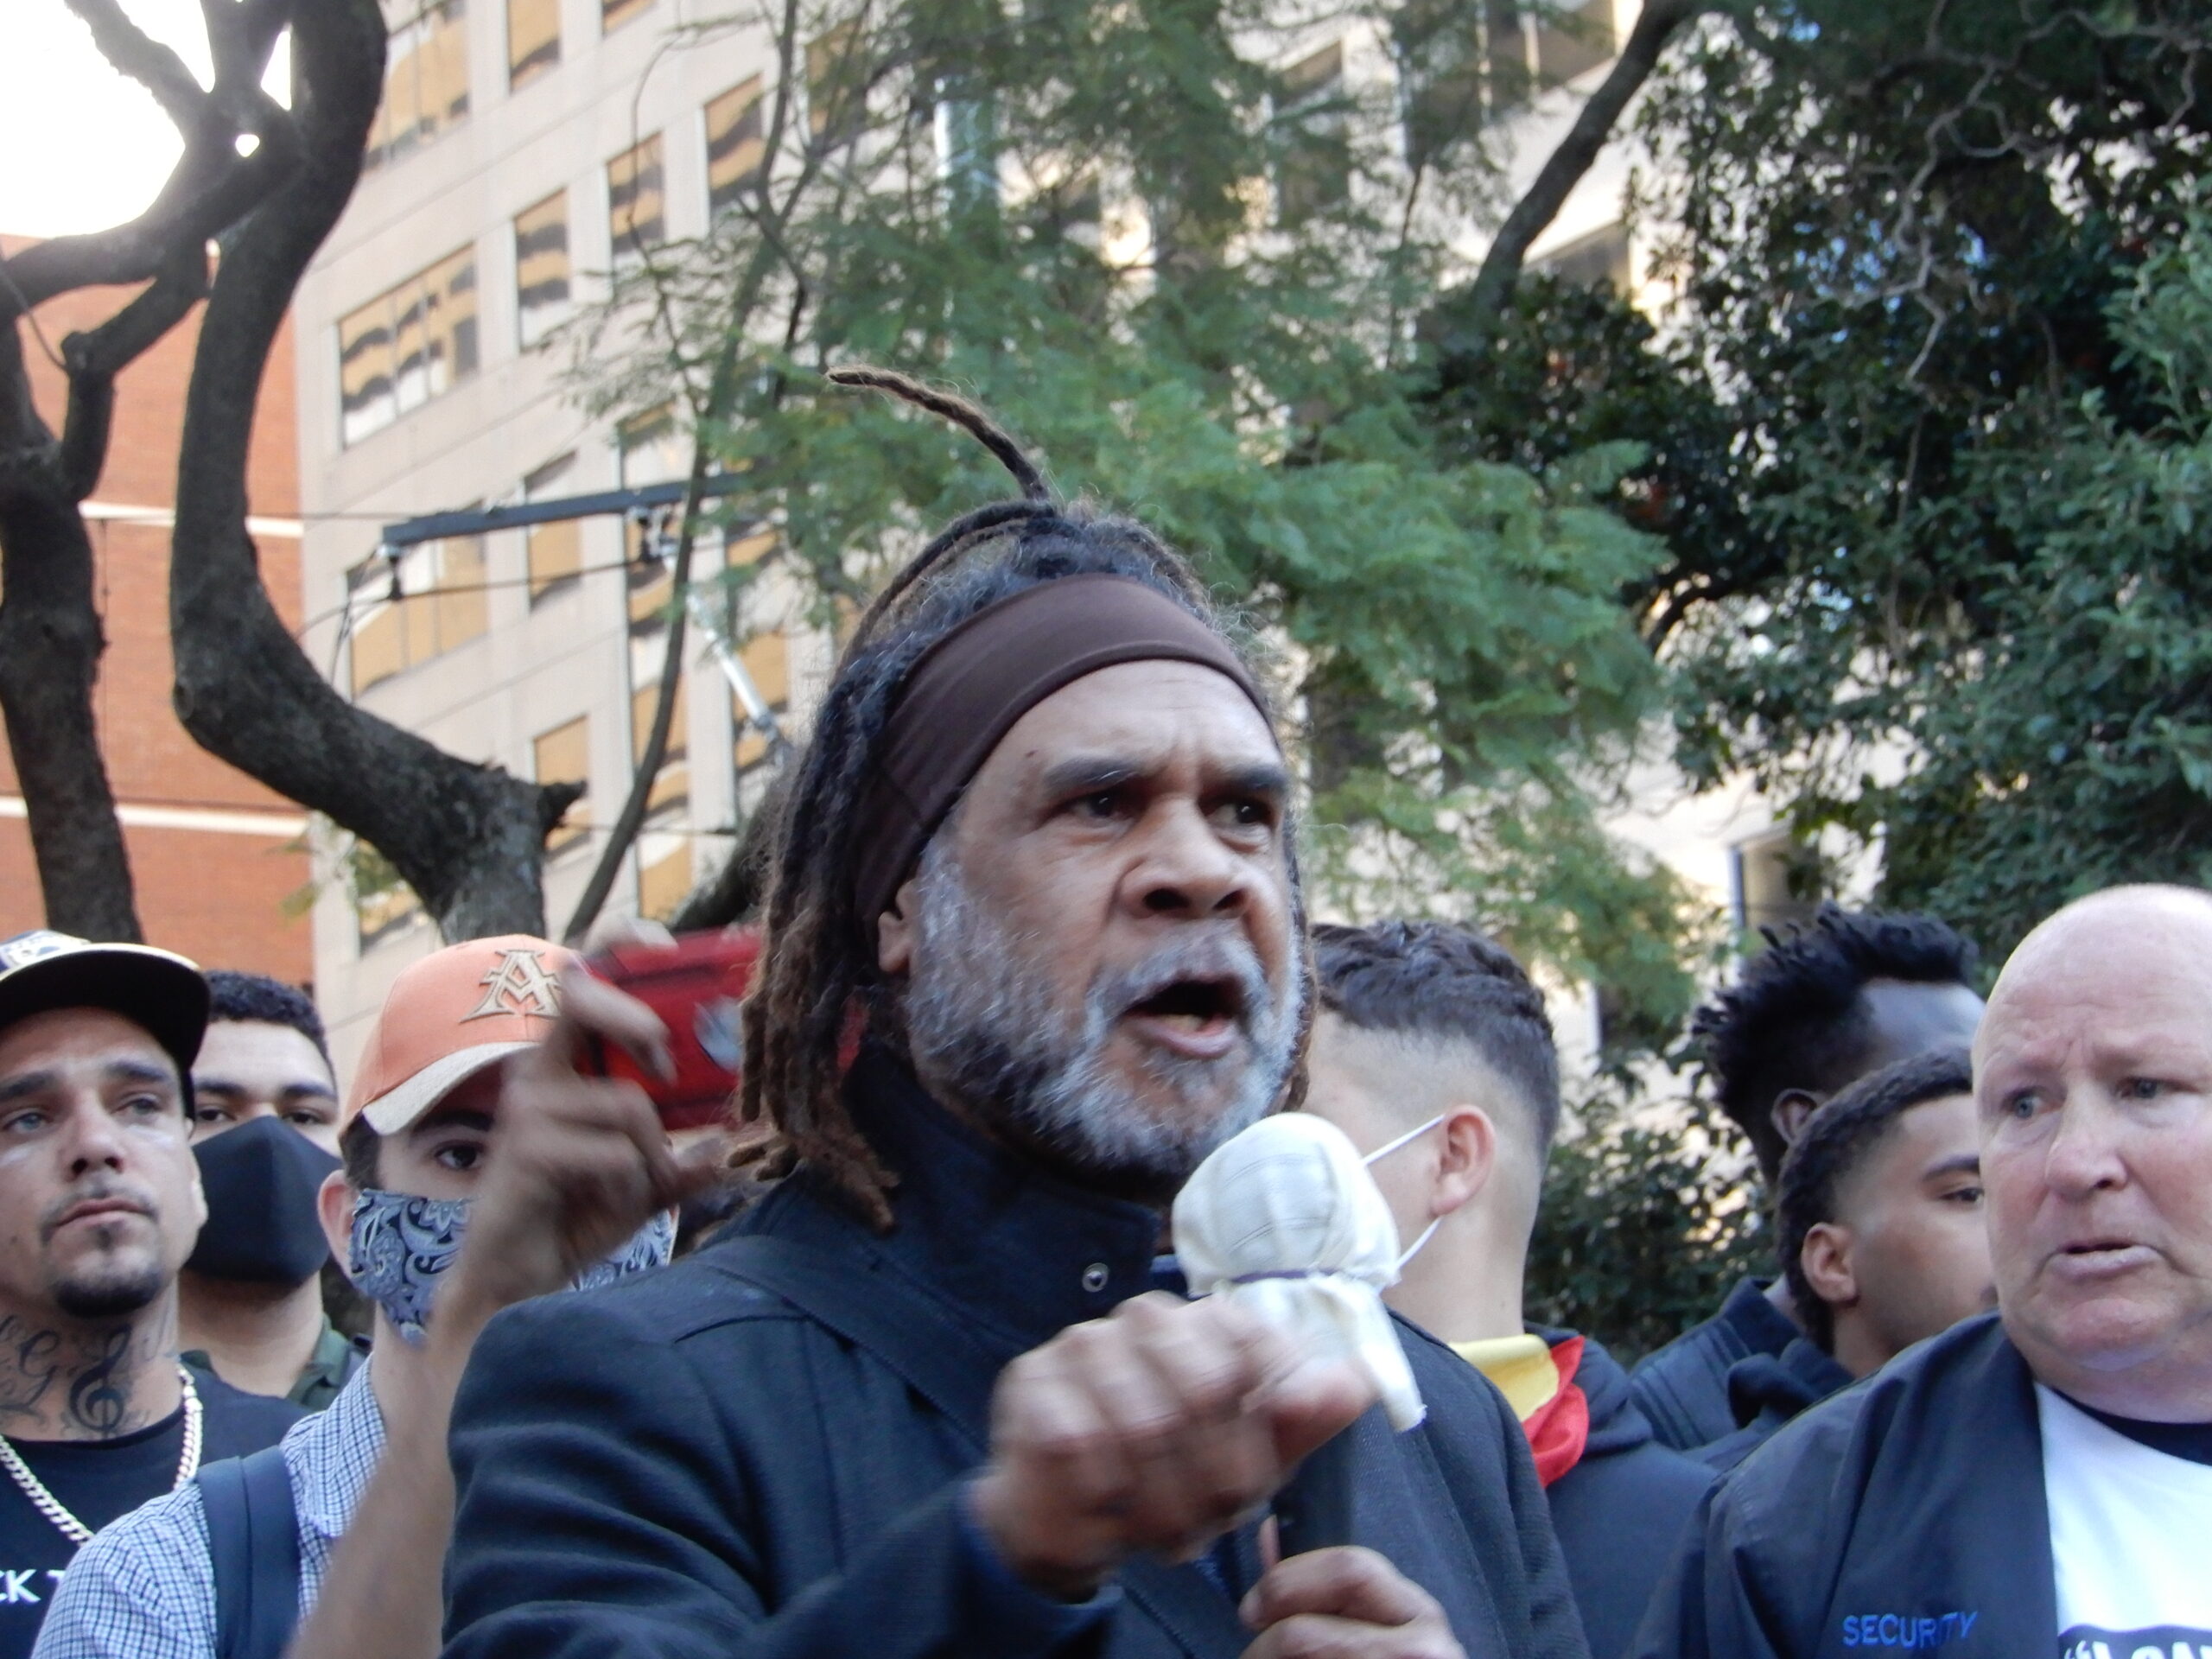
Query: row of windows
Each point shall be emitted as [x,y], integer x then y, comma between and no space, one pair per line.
[418,339]
[426,71]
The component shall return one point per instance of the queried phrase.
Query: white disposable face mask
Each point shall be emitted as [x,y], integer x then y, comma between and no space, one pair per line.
[1384,1151]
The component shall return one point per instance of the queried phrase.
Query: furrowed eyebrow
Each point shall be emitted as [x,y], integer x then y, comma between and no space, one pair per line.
[1265,778]
[1089,775]
[26,1083]
[136,1071]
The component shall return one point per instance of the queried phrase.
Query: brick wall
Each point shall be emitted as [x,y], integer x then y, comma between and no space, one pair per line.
[219,895]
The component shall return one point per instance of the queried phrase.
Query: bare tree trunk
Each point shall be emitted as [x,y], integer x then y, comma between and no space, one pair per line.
[50,646]
[1571,162]
[468,839]
[51,640]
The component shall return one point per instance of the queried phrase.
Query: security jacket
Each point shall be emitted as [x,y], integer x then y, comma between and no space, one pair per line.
[1906,1512]
[766,1449]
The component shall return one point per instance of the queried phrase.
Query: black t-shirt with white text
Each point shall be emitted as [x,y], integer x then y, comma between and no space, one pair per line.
[98,1481]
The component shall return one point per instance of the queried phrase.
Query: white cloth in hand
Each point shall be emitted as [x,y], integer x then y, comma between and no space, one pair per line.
[1285,1219]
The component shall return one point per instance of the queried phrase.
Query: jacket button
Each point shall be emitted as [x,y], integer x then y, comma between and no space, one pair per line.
[1095,1277]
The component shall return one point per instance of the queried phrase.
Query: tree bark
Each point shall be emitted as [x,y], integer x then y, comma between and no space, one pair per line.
[50,646]
[1570,163]
[468,839]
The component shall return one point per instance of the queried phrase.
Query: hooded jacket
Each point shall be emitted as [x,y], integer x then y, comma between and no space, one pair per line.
[1683,1388]
[1768,1390]
[766,1448]
[1907,1511]
[1622,1511]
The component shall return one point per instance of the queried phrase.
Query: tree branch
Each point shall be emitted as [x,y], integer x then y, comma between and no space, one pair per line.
[1568,164]
[146,60]
[468,839]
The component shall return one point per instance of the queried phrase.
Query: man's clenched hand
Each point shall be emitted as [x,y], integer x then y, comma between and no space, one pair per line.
[582,1162]
[1153,1430]
[1344,1604]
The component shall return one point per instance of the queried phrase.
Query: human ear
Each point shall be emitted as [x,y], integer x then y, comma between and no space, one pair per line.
[1825,1256]
[894,931]
[334,1208]
[1466,1159]
[1790,1109]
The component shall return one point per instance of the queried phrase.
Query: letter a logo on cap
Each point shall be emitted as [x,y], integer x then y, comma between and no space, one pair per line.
[519,985]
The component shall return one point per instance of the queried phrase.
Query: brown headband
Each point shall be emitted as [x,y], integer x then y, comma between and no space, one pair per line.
[967,690]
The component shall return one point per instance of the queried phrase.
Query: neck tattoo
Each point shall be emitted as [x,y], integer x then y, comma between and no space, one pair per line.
[76,1385]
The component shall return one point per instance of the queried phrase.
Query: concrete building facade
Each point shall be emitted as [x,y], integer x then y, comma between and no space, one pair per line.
[518,139]
[219,863]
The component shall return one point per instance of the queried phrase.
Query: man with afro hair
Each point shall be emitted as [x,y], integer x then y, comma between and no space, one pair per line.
[1820,1007]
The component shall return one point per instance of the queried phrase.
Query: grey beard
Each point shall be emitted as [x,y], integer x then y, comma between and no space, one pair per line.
[985,1028]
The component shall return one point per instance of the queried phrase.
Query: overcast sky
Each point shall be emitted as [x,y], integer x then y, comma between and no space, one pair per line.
[86,148]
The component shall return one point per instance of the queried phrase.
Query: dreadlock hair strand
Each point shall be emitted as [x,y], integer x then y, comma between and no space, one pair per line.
[817,985]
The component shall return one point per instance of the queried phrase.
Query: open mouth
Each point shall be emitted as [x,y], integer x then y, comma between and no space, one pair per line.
[1196,1016]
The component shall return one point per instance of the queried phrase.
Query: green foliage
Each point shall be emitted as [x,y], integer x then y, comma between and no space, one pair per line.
[1946,614]
[1140,306]
[1643,1229]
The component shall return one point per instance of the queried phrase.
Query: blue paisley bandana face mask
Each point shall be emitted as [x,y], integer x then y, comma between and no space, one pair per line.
[402,1243]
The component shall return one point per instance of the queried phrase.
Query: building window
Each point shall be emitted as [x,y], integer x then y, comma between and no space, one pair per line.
[425,77]
[1314,171]
[542,266]
[422,605]
[555,551]
[612,14]
[735,148]
[406,346]
[1775,881]
[533,40]
[563,756]
[672,784]
[1598,260]
[836,84]
[767,660]
[636,204]
[1572,37]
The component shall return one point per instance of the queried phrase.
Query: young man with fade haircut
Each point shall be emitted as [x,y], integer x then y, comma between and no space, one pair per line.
[1821,1007]
[2040,1481]
[1878,1232]
[99,1204]
[264,1108]
[479,1169]
[1433,1052]
[1033,948]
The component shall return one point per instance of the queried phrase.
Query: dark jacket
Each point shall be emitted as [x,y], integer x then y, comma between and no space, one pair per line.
[1768,1390]
[1622,1511]
[1683,1388]
[1906,1511]
[692,1465]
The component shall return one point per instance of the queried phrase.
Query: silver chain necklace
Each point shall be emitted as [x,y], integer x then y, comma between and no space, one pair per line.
[50,1506]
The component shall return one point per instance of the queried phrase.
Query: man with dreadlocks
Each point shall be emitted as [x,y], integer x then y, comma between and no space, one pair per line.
[1034,947]
[1820,1008]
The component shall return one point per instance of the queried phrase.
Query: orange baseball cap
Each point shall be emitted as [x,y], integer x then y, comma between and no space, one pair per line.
[447,1018]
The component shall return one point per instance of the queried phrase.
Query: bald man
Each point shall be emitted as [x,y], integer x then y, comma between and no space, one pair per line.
[2039,1480]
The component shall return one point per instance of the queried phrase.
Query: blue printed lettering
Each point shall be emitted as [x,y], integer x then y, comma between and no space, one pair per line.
[1922,1631]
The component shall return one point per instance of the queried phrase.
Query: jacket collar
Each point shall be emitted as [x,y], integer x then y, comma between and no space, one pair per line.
[1019,1252]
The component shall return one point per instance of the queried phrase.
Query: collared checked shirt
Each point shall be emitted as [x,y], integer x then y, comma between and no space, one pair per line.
[144,1588]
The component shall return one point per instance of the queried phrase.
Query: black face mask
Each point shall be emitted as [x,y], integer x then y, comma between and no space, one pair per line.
[261,1180]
